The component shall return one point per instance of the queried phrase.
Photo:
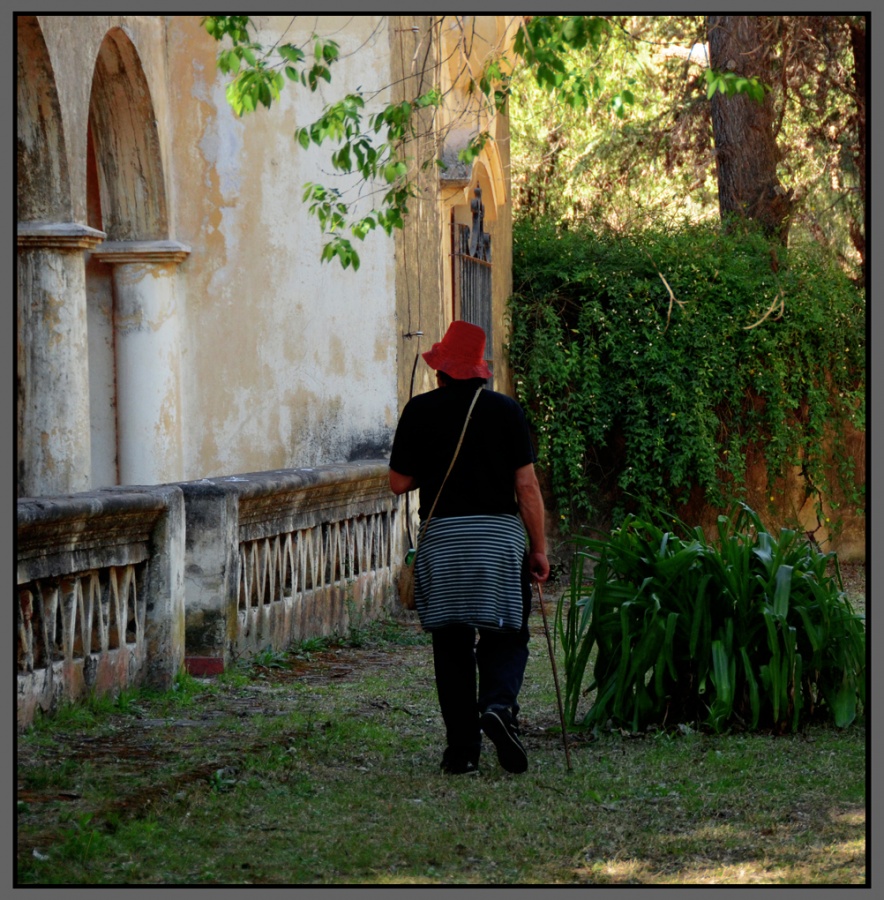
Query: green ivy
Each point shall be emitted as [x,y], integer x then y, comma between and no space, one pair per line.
[652,363]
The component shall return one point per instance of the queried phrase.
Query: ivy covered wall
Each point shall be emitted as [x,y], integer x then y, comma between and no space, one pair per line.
[690,368]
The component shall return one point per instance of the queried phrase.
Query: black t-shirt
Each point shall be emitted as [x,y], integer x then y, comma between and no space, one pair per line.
[497,442]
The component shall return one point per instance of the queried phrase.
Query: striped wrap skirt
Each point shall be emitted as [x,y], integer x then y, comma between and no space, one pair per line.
[468,571]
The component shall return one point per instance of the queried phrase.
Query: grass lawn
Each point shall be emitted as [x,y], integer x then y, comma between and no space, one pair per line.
[320,766]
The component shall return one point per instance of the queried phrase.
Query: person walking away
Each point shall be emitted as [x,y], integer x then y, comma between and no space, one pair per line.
[473,568]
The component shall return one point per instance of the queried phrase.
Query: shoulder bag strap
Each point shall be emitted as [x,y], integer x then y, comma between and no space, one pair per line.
[451,465]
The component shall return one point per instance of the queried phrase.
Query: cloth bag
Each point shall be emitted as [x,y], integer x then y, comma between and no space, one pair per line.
[405,584]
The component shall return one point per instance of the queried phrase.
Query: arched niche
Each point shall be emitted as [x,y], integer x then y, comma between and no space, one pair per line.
[126,145]
[458,182]
[43,182]
[134,326]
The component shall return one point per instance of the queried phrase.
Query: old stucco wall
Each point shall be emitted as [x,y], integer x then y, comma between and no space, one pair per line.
[73,44]
[502,241]
[280,360]
[284,361]
[420,290]
[424,264]
[288,361]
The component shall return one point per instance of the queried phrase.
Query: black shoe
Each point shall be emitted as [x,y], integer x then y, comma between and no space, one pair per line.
[501,728]
[457,764]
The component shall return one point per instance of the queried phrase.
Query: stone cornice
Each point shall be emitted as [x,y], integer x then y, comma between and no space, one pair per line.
[58,236]
[119,252]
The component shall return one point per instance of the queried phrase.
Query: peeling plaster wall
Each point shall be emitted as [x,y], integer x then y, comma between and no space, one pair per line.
[501,230]
[284,361]
[426,291]
[287,361]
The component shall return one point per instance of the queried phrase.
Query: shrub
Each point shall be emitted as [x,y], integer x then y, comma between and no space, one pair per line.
[749,631]
[654,364]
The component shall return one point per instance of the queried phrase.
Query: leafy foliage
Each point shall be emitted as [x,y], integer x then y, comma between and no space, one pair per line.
[547,45]
[653,364]
[568,75]
[729,84]
[562,54]
[371,145]
[376,147]
[257,79]
[641,148]
[342,124]
[359,151]
[750,630]
[578,163]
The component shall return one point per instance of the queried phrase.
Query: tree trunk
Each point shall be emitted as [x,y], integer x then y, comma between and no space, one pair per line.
[858,44]
[743,129]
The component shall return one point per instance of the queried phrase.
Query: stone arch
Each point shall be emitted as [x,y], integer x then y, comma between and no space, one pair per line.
[126,144]
[488,175]
[43,182]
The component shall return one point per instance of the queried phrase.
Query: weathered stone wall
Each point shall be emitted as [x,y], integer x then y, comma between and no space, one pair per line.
[830,521]
[100,594]
[238,350]
[424,279]
[290,361]
[277,557]
[128,586]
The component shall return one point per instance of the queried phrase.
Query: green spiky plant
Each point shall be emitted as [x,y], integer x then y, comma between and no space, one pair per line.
[749,630]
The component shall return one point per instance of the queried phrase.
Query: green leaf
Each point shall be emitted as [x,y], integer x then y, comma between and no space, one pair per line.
[751,681]
[391,172]
[291,53]
[697,618]
[570,29]
[782,591]
[844,703]
[330,51]
[722,675]
[264,93]
[341,159]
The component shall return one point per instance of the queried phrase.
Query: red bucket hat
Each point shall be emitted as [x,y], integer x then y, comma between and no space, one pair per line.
[461,353]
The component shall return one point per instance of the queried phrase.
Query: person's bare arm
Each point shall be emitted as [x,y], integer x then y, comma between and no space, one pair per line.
[400,483]
[533,515]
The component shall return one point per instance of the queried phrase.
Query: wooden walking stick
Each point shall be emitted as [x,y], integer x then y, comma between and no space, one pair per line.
[552,659]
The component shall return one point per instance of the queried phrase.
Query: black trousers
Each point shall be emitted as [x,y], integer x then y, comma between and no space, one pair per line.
[473,676]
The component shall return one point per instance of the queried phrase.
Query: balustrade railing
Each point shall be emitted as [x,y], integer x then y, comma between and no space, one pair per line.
[77,616]
[128,585]
[294,563]
[304,553]
[100,594]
